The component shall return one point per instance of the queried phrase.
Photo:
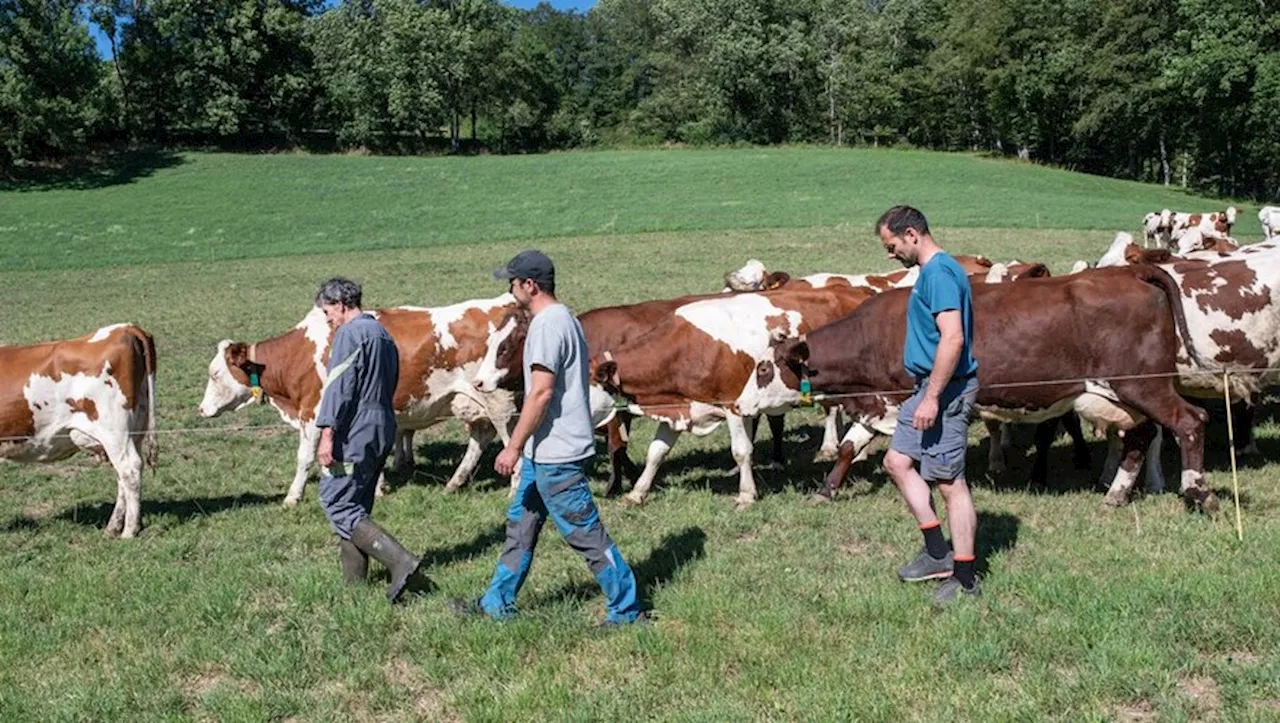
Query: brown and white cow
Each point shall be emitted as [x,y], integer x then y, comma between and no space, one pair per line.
[1232,306]
[1104,344]
[710,362]
[95,393]
[1188,232]
[1269,217]
[440,350]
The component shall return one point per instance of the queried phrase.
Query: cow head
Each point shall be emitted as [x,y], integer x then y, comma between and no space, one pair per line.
[791,358]
[503,363]
[605,384]
[754,277]
[229,379]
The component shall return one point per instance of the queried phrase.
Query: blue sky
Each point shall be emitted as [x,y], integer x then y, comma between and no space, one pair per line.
[104,46]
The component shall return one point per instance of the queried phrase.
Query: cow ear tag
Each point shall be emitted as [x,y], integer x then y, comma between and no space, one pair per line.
[255,387]
[806,392]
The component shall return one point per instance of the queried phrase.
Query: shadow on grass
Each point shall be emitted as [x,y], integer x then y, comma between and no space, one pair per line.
[997,532]
[96,514]
[98,171]
[673,553]
[442,556]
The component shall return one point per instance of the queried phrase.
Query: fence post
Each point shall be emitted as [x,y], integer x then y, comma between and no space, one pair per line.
[1231,444]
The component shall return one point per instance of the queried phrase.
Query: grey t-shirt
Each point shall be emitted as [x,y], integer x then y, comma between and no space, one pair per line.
[556,342]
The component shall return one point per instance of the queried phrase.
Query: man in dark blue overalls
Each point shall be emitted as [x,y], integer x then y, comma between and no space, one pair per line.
[358,427]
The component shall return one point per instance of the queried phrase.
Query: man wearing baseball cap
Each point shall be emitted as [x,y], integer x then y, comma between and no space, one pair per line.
[551,444]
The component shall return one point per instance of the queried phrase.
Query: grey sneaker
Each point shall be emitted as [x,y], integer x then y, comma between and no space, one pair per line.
[925,567]
[951,590]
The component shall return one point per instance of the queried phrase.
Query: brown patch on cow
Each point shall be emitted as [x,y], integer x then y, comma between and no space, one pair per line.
[764,373]
[287,372]
[1193,220]
[972,264]
[87,407]
[1136,712]
[1220,224]
[1221,245]
[776,280]
[879,283]
[1235,298]
[1204,691]
[778,327]
[1237,349]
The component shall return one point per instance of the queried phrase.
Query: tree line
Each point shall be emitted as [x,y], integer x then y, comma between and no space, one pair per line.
[1183,92]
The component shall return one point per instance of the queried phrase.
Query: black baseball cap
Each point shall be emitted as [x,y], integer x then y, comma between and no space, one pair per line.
[530,264]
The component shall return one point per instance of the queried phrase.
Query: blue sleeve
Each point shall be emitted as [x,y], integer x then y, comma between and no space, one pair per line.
[338,403]
[944,292]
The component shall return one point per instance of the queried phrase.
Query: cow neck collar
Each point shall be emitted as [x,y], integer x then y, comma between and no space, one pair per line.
[255,379]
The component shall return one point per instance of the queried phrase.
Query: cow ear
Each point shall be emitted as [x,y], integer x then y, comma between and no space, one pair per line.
[238,354]
[1038,271]
[607,373]
[777,280]
[796,352]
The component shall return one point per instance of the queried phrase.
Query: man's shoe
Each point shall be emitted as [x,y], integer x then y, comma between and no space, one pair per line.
[926,567]
[403,565]
[355,564]
[952,590]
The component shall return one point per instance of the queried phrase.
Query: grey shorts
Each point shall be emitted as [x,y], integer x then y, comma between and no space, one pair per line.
[940,449]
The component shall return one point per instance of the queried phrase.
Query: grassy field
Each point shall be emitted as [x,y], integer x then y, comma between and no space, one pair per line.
[229,607]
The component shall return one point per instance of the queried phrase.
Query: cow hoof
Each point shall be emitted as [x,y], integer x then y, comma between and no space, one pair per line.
[290,502]
[1202,500]
[826,455]
[451,488]
[110,534]
[742,504]
[629,501]
[820,498]
[128,534]
[1113,501]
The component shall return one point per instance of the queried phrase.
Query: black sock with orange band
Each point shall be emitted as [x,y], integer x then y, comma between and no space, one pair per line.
[934,542]
[963,571]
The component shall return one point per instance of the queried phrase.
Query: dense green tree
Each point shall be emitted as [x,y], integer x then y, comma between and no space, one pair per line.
[48,77]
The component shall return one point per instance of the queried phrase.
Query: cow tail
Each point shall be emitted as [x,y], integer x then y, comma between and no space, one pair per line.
[1159,277]
[150,438]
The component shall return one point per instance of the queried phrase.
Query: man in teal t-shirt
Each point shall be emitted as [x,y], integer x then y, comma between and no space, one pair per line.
[933,425]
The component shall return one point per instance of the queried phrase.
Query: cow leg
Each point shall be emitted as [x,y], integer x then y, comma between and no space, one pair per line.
[308,441]
[401,460]
[998,443]
[1187,422]
[1080,457]
[777,429]
[1046,432]
[830,448]
[1242,418]
[852,449]
[1111,465]
[1133,446]
[125,520]
[479,434]
[663,440]
[620,466]
[1155,474]
[740,429]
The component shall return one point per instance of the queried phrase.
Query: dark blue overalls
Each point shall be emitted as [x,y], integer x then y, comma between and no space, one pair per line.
[364,366]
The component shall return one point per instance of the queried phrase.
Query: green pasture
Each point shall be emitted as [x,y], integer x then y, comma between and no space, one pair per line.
[229,607]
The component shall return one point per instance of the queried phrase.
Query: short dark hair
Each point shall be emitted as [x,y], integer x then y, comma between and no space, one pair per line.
[548,287]
[900,218]
[339,291]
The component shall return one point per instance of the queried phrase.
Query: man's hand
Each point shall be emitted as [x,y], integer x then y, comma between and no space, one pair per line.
[325,451]
[507,460]
[926,413]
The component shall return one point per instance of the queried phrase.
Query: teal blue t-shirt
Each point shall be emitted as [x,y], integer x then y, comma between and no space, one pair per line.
[942,286]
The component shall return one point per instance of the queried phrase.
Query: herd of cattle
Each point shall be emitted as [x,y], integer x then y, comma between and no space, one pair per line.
[1122,344]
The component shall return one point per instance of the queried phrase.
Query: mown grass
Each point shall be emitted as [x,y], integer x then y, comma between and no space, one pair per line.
[208,207]
[228,607]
